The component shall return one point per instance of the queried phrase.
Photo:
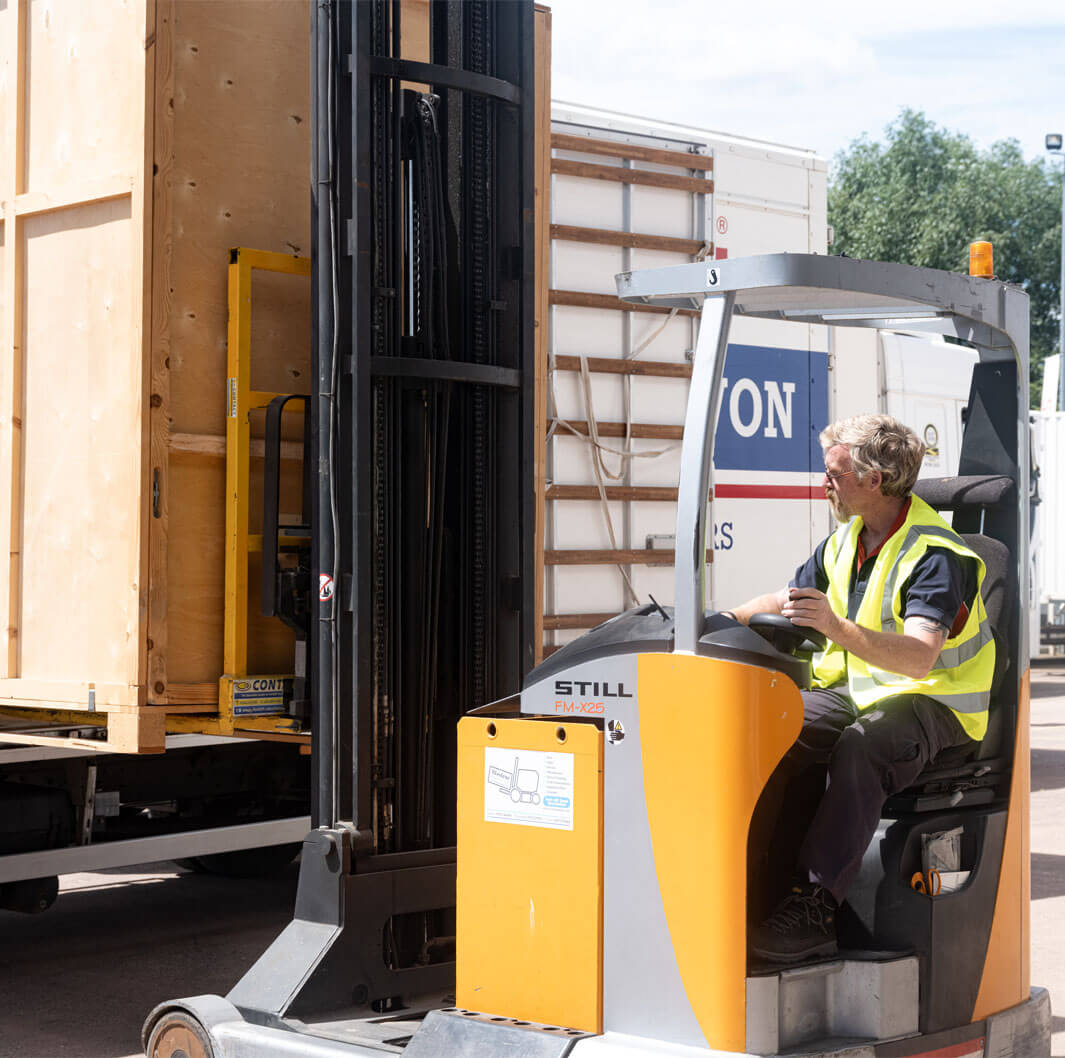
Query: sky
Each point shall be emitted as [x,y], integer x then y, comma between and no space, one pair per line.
[818,73]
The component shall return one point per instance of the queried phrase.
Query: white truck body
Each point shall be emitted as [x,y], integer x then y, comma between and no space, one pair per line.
[1048,531]
[790,379]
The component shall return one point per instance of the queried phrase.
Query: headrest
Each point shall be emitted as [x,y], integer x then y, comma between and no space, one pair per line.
[973,490]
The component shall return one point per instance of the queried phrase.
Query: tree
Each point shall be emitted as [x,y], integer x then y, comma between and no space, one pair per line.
[926,193]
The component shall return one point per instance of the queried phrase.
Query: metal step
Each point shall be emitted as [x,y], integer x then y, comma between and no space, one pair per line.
[862,1000]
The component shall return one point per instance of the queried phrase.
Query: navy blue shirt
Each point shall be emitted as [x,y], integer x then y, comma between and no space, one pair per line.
[941,583]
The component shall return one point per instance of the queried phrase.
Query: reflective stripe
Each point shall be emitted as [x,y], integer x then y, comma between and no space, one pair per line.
[967,702]
[887,613]
[877,681]
[860,684]
[952,657]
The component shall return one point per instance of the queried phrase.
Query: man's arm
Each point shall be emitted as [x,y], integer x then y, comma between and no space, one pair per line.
[771,603]
[911,654]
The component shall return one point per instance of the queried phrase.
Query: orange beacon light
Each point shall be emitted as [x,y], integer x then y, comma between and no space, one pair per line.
[981,260]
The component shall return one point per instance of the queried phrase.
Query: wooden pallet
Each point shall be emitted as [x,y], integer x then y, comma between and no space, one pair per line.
[133,731]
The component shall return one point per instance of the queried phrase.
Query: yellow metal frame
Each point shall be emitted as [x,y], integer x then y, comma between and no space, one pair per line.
[241,401]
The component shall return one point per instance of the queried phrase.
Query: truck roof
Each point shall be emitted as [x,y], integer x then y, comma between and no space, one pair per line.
[618,121]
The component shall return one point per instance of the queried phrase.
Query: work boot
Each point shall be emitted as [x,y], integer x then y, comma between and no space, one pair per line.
[802,926]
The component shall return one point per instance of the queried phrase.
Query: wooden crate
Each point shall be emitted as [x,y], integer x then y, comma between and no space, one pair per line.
[141,141]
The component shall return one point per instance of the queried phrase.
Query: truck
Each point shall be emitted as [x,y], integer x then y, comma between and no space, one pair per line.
[618,382]
[156,479]
[145,698]
[1048,510]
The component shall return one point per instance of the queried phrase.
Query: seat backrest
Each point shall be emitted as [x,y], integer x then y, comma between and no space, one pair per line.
[999,593]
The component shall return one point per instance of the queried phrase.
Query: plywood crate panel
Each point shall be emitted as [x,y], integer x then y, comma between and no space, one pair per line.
[141,140]
[238,175]
[72,381]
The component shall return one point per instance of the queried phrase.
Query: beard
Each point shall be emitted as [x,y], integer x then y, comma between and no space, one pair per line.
[839,511]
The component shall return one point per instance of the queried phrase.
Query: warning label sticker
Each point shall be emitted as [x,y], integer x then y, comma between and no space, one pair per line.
[528,787]
[255,697]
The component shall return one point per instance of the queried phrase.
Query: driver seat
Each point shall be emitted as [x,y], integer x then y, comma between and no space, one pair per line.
[970,775]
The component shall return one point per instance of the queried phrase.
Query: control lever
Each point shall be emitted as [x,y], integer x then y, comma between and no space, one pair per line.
[654,603]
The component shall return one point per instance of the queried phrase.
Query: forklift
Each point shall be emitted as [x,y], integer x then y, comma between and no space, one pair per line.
[438,915]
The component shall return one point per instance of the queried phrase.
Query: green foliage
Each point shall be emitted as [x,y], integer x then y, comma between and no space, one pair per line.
[924,194]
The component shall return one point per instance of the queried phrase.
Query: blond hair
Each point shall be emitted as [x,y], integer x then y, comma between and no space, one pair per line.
[879,442]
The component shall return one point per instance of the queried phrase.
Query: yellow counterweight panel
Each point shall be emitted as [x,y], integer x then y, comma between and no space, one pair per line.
[711,733]
[529,900]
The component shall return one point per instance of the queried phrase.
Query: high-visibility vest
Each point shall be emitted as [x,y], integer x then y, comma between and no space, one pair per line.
[961,675]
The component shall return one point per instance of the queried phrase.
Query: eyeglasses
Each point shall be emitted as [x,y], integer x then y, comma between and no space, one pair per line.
[834,478]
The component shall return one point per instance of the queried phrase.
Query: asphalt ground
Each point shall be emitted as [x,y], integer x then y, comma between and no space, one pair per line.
[1048,839]
[78,981]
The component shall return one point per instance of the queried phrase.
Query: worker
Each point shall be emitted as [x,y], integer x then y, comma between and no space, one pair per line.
[906,672]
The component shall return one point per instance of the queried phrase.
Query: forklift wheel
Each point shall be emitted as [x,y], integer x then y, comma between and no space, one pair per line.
[177,1035]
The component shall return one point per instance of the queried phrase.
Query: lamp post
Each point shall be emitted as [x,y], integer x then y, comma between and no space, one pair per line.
[1054,146]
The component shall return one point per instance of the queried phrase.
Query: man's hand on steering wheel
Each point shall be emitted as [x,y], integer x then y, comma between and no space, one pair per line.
[810,608]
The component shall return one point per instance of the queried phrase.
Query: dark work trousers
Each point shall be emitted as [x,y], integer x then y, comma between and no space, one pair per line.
[821,807]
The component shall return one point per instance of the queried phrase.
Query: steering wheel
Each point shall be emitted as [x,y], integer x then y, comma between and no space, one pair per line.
[786,637]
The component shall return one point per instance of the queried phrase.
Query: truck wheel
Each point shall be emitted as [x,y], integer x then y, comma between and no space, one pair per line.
[177,1035]
[31,896]
[249,863]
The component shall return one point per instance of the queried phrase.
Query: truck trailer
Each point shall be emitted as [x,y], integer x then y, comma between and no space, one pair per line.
[130,590]
[1048,525]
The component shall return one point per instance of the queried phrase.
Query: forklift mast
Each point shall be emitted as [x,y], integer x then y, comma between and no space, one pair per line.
[422,402]
[421,427]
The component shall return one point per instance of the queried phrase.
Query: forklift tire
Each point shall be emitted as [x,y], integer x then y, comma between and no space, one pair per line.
[248,863]
[177,1035]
